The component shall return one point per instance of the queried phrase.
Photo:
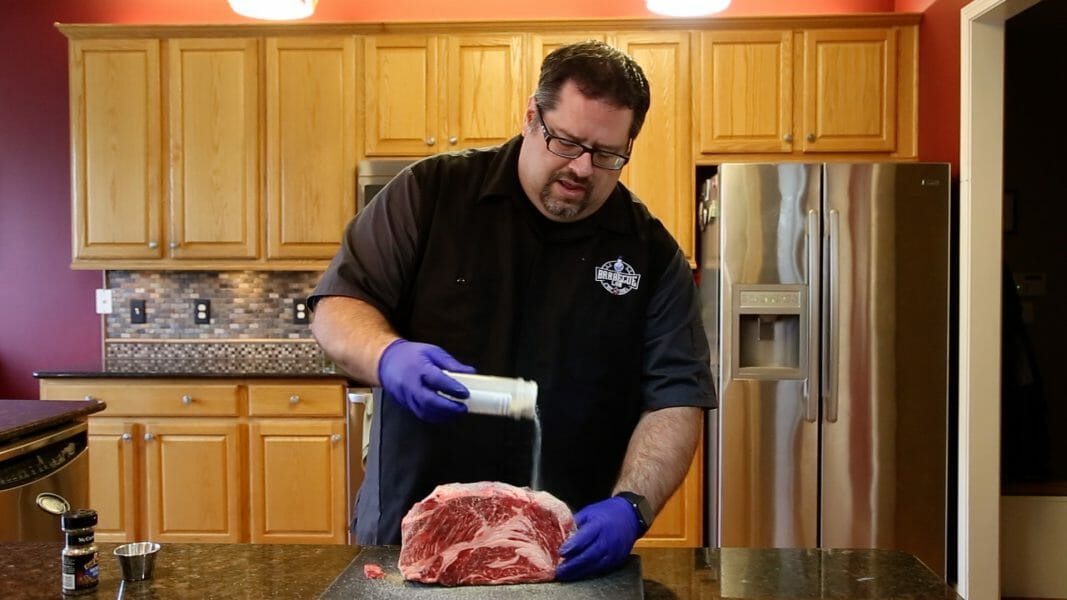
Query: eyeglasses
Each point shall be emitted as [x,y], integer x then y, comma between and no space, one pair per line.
[572,149]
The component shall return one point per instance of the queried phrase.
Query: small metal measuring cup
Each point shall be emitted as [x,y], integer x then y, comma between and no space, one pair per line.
[137,559]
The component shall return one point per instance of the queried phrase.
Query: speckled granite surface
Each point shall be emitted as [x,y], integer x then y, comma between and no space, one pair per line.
[23,417]
[185,374]
[793,573]
[31,571]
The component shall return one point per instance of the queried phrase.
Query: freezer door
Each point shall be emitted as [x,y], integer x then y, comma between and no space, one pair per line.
[768,417]
[885,384]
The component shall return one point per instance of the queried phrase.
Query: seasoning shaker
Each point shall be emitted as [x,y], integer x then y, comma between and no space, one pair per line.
[81,569]
[499,396]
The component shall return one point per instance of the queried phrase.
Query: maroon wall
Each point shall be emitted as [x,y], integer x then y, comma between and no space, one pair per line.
[47,320]
[47,317]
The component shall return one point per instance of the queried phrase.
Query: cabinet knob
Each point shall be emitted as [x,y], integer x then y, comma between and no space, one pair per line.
[148,437]
[294,399]
[335,438]
[452,140]
[153,244]
[127,437]
[430,141]
[787,137]
[173,245]
[187,399]
[811,137]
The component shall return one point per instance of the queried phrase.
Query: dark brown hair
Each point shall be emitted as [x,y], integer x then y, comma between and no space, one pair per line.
[601,72]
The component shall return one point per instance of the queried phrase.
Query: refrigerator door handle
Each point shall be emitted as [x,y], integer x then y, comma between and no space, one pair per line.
[833,364]
[811,384]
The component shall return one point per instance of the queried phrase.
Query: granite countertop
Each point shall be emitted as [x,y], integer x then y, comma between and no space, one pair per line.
[188,374]
[19,418]
[207,365]
[31,571]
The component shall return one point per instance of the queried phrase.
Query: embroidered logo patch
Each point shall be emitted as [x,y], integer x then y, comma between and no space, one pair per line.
[617,277]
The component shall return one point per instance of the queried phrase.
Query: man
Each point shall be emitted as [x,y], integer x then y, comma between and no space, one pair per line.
[526,260]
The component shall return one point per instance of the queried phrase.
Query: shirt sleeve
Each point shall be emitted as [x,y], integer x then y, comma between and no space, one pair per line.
[677,369]
[377,256]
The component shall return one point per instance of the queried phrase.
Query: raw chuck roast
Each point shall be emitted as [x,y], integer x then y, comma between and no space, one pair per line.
[483,533]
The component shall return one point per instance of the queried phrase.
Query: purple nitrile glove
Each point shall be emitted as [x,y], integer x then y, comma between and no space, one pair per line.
[412,375]
[606,533]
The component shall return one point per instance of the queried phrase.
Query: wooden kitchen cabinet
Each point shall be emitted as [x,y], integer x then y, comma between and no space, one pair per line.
[115,483]
[213,148]
[426,94]
[850,90]
[193,480]
[297,468]
[116,143]
[657,171]
[209,206]
[792,93]
[202,460]
[204,163]
[311,145]
[744,96]
[680,523]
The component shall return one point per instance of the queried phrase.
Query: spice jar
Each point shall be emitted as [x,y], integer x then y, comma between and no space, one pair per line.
[81,571]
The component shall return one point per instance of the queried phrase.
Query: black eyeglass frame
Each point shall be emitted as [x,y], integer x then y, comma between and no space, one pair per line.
[593,152]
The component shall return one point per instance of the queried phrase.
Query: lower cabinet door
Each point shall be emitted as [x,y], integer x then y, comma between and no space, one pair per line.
[297,470]
[681,521]
[193,481]
[114,478]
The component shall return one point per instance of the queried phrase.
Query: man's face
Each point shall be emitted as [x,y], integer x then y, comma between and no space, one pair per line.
[570,189]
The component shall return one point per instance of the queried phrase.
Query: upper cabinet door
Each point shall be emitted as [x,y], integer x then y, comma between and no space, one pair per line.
[214,148]
[543,44]
[850,90]
[311,144]
[400,95]
[660,170]
[116,148]
[745,91]
[486,90]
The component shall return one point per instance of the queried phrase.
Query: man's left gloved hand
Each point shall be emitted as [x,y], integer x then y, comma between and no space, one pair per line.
[606,533]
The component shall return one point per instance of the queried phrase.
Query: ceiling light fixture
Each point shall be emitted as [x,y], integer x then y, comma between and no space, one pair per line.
[274,10]
[686,8]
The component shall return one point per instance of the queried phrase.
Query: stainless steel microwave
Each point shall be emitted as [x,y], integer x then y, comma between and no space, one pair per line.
[372,175]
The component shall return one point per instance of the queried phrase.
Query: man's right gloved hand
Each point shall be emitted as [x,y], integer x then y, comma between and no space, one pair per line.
[412,374]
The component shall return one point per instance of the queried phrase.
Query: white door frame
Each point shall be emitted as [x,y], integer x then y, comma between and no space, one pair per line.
[981,257]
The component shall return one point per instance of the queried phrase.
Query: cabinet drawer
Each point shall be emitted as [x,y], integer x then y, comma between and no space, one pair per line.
[136,398]
[284,400]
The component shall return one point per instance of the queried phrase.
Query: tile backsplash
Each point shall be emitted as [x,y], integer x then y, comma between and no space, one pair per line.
[251,328]
[245,305]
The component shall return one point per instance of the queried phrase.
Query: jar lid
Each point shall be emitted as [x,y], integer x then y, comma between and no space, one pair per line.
[78,518]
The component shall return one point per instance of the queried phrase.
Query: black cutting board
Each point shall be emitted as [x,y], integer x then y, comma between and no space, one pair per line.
[622,584]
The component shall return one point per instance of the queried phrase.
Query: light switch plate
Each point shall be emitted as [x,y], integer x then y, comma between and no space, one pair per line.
[103,302]
[137,312]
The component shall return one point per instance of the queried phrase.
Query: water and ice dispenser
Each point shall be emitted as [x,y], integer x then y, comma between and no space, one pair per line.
[770,331]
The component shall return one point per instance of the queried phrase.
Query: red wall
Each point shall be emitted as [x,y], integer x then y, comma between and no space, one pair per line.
[47,320]
[939,82]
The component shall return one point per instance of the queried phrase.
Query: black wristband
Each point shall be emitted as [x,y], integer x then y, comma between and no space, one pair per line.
[642,509]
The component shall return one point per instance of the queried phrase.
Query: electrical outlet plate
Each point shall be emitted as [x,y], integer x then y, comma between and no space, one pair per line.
[301,315]
[202,311]
[103,302]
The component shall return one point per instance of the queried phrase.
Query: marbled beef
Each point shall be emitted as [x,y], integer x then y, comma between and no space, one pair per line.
[483,533]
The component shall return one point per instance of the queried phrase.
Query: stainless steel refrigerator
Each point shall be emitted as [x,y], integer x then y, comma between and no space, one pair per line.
[827,302]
